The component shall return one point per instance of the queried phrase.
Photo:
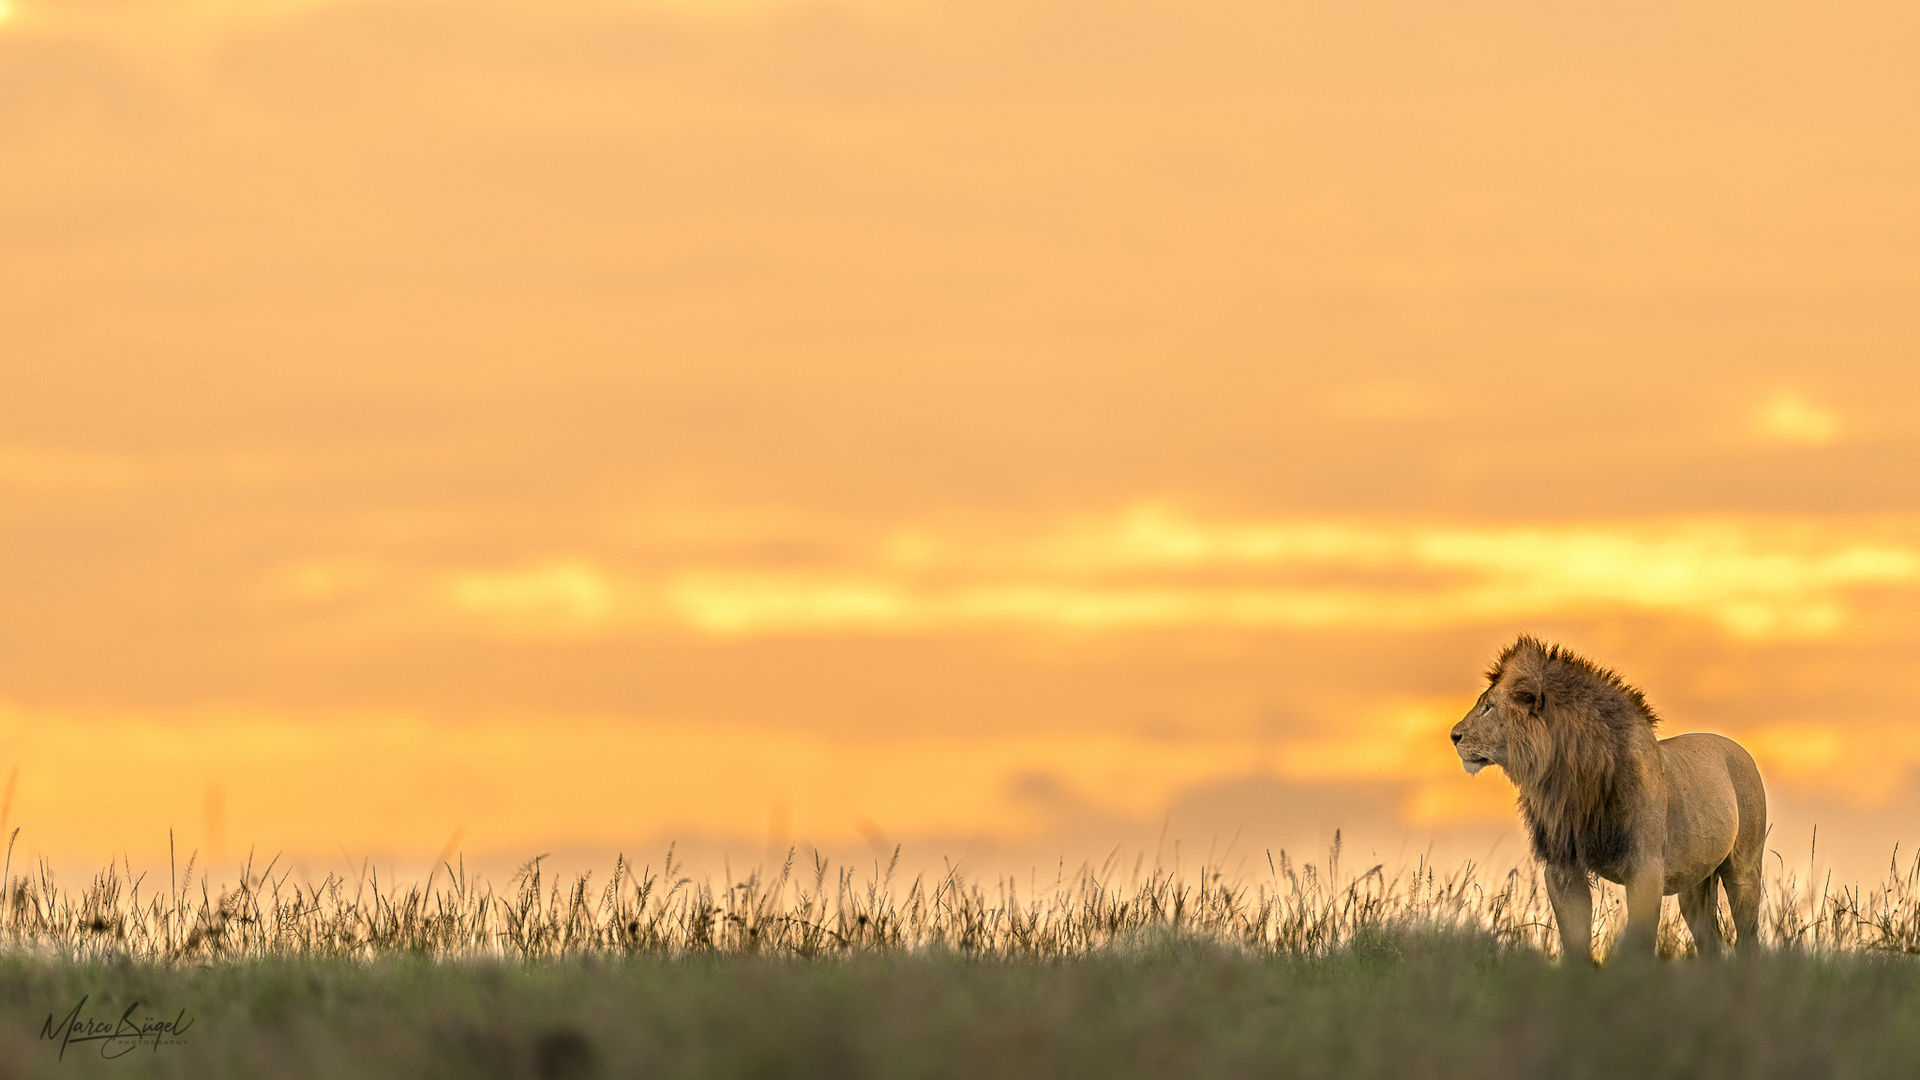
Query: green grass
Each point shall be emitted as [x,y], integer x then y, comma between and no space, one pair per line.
[1422,1004]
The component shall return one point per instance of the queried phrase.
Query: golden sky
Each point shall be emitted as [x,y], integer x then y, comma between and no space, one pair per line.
[582,423]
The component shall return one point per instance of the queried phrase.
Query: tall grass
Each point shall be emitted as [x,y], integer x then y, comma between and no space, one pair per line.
[816,910]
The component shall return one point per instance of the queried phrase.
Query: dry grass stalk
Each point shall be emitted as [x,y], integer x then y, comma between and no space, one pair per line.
[1295,910]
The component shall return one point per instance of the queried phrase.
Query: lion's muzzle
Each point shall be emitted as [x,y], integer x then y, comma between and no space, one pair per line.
[1470,761]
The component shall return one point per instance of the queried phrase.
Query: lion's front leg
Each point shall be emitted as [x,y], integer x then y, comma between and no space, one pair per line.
[1572,898]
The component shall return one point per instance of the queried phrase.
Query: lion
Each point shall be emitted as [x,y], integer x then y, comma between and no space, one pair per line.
[1600,796]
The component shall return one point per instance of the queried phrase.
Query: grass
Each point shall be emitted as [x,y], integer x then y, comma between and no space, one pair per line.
[1105,972]
[1439,1004]
[1293,910]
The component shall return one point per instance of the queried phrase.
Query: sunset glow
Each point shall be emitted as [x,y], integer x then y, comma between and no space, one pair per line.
[1152,567]
[591,424]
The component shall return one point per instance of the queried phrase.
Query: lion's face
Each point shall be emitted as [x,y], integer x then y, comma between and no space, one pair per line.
[1480,738]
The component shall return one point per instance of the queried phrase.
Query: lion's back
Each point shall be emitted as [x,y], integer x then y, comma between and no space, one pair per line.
[1703,768]
[1699,748]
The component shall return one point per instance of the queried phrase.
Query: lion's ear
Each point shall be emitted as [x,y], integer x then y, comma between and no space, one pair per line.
[1528,697]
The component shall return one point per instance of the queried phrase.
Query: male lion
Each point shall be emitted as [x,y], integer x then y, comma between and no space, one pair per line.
[1600,796]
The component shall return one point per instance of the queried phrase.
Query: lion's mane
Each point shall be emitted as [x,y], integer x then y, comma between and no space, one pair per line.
[1581,761]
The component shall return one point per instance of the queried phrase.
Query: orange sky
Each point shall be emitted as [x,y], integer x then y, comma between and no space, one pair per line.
[1048,424]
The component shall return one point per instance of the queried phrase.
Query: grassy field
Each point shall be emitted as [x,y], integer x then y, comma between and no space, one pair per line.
[1392,1005]
[1305,971]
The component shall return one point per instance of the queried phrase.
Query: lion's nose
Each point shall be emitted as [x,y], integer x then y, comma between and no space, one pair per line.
[1456,738]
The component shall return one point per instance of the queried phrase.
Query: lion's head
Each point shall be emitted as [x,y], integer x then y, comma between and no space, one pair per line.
[1481,737]
[1542,702]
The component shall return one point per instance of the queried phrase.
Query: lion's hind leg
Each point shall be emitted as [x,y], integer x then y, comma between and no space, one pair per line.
[1699,905]
[1743,884]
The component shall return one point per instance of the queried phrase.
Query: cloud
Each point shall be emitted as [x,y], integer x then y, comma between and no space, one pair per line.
[1791,418]
[1156,567]
[564,594]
